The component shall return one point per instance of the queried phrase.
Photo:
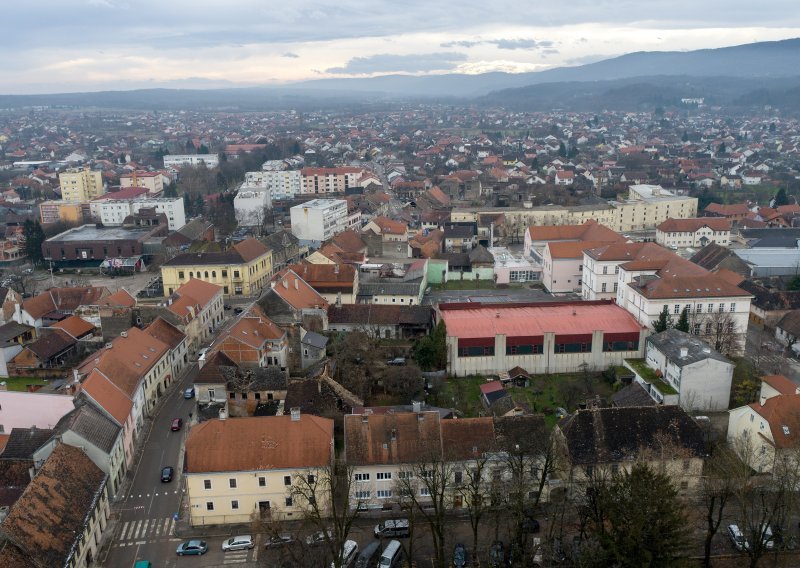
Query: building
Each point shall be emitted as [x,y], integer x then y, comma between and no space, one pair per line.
[318,220]
[81,184]
[241,469]
[555,337]
[152,181]
[252,206]
[198,306]
[329,180]
[392,233]
[381,321]
[57,304]
[243,269]
[290,301]
[112,211]
[683,364]
[32,409]
[767,432]
[337,283]
[255,341]
[175,339]
[176,161]
[694,232]
[92,243]
[60,517]
[599,442]
[282,184]
[735,212]
[63,211]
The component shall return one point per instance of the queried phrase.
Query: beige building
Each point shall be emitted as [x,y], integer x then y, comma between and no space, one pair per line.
[80,184]
[329,180]
[694,232]
[200,308]
[241,469]
[152,181]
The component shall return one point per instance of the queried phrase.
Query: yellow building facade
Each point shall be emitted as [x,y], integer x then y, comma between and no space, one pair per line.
[80,184]
[242,270]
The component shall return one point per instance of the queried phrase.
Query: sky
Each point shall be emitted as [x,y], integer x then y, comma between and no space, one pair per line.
[54,46]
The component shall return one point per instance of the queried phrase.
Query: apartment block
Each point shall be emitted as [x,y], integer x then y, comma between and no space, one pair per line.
[80,184]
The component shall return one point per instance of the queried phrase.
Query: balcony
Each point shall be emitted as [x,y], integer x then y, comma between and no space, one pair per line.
[660,390]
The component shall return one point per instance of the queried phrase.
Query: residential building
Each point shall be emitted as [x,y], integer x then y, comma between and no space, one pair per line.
[32,409]
[734,212]
[382,321]
[252,206]
[57,304]
[685,371]
[538,237]
[152,181]
[459,238]
[210,384]
[81,184]
[255,341]
[599,442]
[112,211]
[92,243]
[13,336]
[177,341]
[290,300]
[693,232]
[337,283]
[542,338]
[199,307]
[765,434]
[282,184]
[394,284]
[243,269]
[241,469]
[176,161]
[318,220]
[68,498]
[313,348]
[329,180]
[69,212]
[391,231]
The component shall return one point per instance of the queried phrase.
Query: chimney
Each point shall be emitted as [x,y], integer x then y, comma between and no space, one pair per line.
[222,414]
[109,345]
[296,285]
[336,269]
[295,414]
[123,334]
[285,283]
[684,352]
[76,376]
[417,405]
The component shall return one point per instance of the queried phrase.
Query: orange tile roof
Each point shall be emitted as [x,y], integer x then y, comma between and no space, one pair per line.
[259,443]
[119,299]
[254,329]
[327,277]
[250,249]
[735,209]
[296,292]
[369,440]
[570,249]
[693,224]
[349,241]
[589,231]
[67,299]
[780,411]
[200,291]
[705,286]
[390,226]
[75,326]
[108,396]
[165,332]
[3,441]
[781,384]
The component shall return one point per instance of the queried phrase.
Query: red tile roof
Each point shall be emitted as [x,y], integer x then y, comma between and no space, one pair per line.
[390,226]
[296,292]
[781,384]
[64,299]
[165,332]
[782,411]
[108,396]
[119,299]
[694,224]
[590,231]
[250,249]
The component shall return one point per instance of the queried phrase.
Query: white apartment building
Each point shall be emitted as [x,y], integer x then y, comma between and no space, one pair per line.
[179,160]
[251,205]
[694,232]
[153,181]
[330,180]
[80,184]
[283,184]
[318,220]
[112,212]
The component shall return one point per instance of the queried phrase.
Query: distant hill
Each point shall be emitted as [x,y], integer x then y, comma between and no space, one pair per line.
[751,74]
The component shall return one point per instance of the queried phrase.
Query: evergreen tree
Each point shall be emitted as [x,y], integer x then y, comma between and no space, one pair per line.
[34,237]
[664,321]
[430,352]
[171,190]
[562,150]
[683,321]
[721,149]
[203,149]
[685,137]
[781,198]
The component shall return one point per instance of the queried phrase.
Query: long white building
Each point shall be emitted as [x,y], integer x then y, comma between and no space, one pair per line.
[112,212]
[251,205]
[318,220]
[282,184]
[178,160]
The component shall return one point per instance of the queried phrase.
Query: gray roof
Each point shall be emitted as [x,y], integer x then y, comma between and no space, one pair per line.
[671,341]
[790,323]
[315,340]
[11,330]
[22,442]
[253,379]
[391,288]
[92,425]
[94,233]
[632,395]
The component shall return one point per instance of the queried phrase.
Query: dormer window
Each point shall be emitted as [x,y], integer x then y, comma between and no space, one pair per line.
[785,430]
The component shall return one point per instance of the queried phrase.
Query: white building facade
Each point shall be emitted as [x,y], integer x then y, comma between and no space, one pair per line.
[282,184]
[179,160]
[318,220]
[112,212]
[251,205]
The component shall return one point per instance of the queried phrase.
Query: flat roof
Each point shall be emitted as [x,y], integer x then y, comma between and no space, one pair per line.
[321,204]
[93,233]
[535,319]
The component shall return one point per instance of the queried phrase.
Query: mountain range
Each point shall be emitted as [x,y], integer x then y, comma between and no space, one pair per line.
[751,74]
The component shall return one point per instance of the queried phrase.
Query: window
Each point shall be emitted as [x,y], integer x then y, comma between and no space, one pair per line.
[699,308]
[384,493]
[616,270]
[232,395]
[614,468]
[458,477]
[684,485]
[424,492]
[362,477]
[362,494]
[209,505]
[236,274]
[589,471]
[287,479]
[289,502]
[709,327]
[677,309]
[733,307]
[262,481]
[207,483]
[616,286]
[224,273]
[710,308]
[686,464]
[697,329]
[605,270]
[405,475]
[384,476]
[603,287]
[180,274]
[234,504]
[232,483]
[311,478]
[721,308]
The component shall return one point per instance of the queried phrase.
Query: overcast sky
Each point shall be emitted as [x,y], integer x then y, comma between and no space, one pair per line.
[88,45]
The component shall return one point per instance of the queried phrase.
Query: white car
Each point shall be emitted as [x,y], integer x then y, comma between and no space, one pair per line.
[240,542]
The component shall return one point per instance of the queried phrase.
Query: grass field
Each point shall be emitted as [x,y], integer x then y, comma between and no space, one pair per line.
[21,383]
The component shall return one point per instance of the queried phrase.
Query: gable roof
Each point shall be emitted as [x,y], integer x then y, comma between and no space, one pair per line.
[253,329]
[165,332]
[50,344]
[110,397]
[259,443]
[296,292]
[23,442]
[389,226]
[250,249]
[75,326]
[392,438]
[64,299]
[119,299]
[327,277]
[781,384]
[692,225]
[198,291]
[349,241]
[52,513]
[779,412]
[92,425]
[591,230]
[790,323]
[211,371]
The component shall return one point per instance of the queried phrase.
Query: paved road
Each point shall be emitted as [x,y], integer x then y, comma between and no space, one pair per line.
[768,355]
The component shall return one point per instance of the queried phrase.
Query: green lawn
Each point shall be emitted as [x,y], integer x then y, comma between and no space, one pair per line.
[20,383]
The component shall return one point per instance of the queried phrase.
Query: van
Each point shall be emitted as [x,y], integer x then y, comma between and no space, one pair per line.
[392,528]
[349,554]
[366,558]
[390,556]
[737,538]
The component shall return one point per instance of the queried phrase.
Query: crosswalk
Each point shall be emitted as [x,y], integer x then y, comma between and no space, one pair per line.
[237,557]
[143,530]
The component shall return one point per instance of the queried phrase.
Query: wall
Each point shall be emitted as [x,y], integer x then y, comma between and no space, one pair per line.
[26,409]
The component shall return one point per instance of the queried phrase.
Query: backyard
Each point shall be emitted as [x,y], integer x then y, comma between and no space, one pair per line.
[21,383]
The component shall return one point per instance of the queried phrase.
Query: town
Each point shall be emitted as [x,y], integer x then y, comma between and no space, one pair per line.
[417,335]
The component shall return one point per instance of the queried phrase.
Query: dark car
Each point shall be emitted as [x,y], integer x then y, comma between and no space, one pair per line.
[530,525]
[166,474]
[279,540]
[459,556]
[238,309]
[177,423]
[188,393]
[197,547]
[228,306]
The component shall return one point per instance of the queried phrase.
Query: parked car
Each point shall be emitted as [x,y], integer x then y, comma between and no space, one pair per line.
[197,547]
[367,556]
[278,540]
[392,528]
[238,309]
[188,393]
[767,537]
[459,556]
[319,537]
[397,361]
[349,554]
[240,542]
[737,538]
[497,554]
[530,525]
[166,474]
[202,353]
[228,306]
[177,424]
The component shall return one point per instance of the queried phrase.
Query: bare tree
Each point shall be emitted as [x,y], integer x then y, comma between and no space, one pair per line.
[474,489]
[719,330]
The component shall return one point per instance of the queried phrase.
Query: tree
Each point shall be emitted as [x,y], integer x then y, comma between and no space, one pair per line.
[781,198]
[402,381]
[475,490]
[685,136]
[562,150]
[34,237]
[329,501]
[635,518]
[683,321]
[719,329]
[664,321]
[430,351]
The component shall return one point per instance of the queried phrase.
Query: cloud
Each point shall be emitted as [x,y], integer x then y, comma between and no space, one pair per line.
[502,43]
[290,55]
[391,63]
[462,43]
